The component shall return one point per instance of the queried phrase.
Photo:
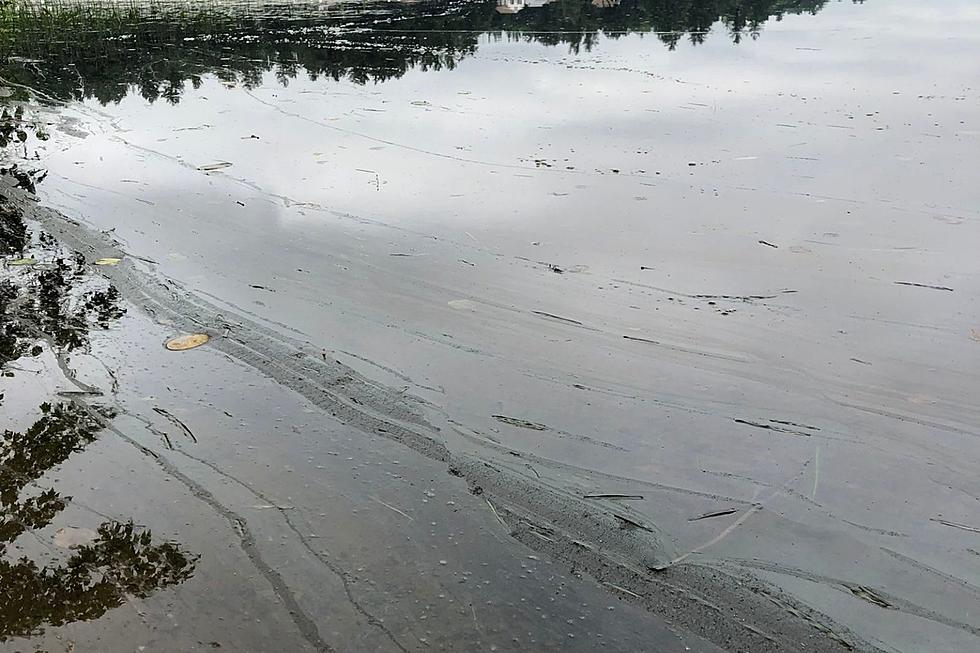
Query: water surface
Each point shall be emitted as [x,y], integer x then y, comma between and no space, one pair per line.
[717,255]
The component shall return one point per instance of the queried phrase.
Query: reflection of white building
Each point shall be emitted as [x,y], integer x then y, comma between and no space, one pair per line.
[514,6]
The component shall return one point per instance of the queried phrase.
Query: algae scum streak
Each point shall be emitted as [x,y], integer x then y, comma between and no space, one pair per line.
[507,325]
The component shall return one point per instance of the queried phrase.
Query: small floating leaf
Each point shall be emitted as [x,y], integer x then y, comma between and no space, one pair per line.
[22,261]
[183,343]
[108,261]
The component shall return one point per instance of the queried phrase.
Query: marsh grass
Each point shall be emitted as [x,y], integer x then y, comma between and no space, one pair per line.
[33,25]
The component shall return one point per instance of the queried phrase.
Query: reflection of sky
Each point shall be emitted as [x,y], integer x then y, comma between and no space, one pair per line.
[777,129]
[787,112]
[784,150]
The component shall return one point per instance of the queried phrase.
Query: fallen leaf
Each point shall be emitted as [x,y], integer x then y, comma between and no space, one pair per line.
[22,261]
[108,261]
[190,341]
[70,537]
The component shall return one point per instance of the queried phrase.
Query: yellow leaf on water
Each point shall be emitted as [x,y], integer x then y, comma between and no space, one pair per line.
[190,341]
[108,261]
[22,261]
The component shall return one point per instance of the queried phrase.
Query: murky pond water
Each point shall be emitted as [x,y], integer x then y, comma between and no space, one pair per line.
[628,324]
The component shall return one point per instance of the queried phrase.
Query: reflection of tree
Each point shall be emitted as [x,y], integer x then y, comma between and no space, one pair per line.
[103,51]
[13,231]
[66,319]
[121,561]
[577,22]
[54,300]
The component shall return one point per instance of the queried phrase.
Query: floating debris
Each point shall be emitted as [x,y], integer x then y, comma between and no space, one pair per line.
[923,285]
[176,422]
[788,423]
[71,537]
[622,589]
[869,595]
[628,523]
[558,317]
[631,497]
[772,427]
[108,261]
[211,167]
[953,524]
[183,343]
[520,423]
[715,513]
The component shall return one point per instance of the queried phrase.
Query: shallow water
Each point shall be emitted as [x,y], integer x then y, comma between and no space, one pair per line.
[720,257]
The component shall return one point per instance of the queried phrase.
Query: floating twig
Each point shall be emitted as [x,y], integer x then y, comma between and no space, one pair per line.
[631,497]
[176,422]
[495,513]
[623,590]
[714,513]
[558,317]
[953,524]
[922,285]
[390,507]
